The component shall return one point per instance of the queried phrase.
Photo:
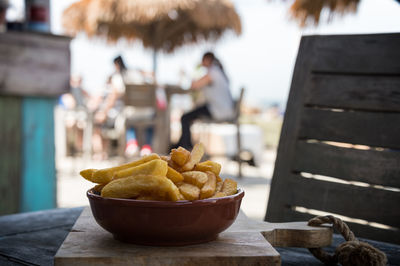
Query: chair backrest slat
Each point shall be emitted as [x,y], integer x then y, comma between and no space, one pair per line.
[367,128]
[339,150]
[139,95]
[359,92]
[374,167]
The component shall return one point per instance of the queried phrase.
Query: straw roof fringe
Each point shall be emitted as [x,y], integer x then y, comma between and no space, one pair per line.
[74,17]
[309,11]
[159,24]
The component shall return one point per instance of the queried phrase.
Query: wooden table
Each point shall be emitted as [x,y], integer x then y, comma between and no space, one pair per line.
[33,239]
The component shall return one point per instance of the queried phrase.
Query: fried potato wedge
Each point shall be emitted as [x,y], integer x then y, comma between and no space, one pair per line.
[154,167]
[87,174]
[208,166]
[229,187]
[219,195]
[135,186]
[189,191]
[195,157]
[209,187]
[103,176]
[196,178]
[174,175]
[150,197]
[171,163]
[98,188]
[218,187]
[180,156]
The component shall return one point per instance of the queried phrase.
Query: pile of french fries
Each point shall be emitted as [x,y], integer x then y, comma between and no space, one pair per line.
[179,176]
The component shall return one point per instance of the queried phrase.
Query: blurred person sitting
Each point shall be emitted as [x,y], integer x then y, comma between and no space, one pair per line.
[218,104]
[112,106]
[74,103]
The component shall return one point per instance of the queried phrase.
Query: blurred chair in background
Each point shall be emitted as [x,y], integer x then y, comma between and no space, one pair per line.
[144,115]
[206,123]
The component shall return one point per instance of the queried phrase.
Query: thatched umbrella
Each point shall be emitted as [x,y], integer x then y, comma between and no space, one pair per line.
[162,25]
[309,11]
[74,17]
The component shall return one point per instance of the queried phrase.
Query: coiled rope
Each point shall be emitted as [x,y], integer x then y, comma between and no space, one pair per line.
[351,252]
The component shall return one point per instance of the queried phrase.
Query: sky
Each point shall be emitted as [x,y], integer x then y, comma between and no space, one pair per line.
[261,59]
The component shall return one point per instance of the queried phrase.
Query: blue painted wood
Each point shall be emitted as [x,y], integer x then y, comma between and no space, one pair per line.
[38,171]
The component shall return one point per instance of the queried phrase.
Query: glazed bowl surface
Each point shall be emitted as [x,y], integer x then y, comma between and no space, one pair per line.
[165,223]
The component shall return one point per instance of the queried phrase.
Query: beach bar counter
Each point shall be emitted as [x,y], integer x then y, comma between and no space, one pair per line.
[34,72]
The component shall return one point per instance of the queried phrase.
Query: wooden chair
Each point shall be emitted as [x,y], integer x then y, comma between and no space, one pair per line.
[339,150]
[139,97]
[235,121]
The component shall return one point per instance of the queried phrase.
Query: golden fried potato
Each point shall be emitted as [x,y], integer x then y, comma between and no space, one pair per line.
[189,191]
[196,178]
[181,197]
[165,158]
[220,182]
[150,197]
[87,174]
[174,175]
[135,186]
[208,166]
[171,163]
[180,156]
[209,187]
[103,176]
[154,167]
[98,188]
[219,195]
[229,187]
[179,176]
[195,157]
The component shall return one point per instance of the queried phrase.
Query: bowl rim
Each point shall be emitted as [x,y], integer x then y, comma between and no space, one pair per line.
[156,204]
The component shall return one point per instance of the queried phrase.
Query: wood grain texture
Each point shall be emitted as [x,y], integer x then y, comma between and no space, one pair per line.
[34,64]
[377,129]
[376,93]
[242,244]
[361,54]
[33,238]
[365,230]
[341,199]
[368,166]
[10,154]
[39,173]
[358,76]
[290,128]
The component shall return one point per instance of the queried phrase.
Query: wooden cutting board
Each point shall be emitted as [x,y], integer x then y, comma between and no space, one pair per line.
[246,242]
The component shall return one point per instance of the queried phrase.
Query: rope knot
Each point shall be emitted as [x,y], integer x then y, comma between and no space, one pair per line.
[351,252]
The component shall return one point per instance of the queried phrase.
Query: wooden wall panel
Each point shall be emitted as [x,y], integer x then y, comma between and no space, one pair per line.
[10,154]
[39,173]
[34,64]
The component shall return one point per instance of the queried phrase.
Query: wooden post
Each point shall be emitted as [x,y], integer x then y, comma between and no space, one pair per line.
[38,167]
[10,153]
[34,71]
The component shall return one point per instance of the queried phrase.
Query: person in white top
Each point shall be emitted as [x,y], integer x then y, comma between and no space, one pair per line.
[112,105]
[218,98]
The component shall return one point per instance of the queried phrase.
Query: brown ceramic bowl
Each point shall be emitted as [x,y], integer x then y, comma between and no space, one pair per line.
[164,223]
